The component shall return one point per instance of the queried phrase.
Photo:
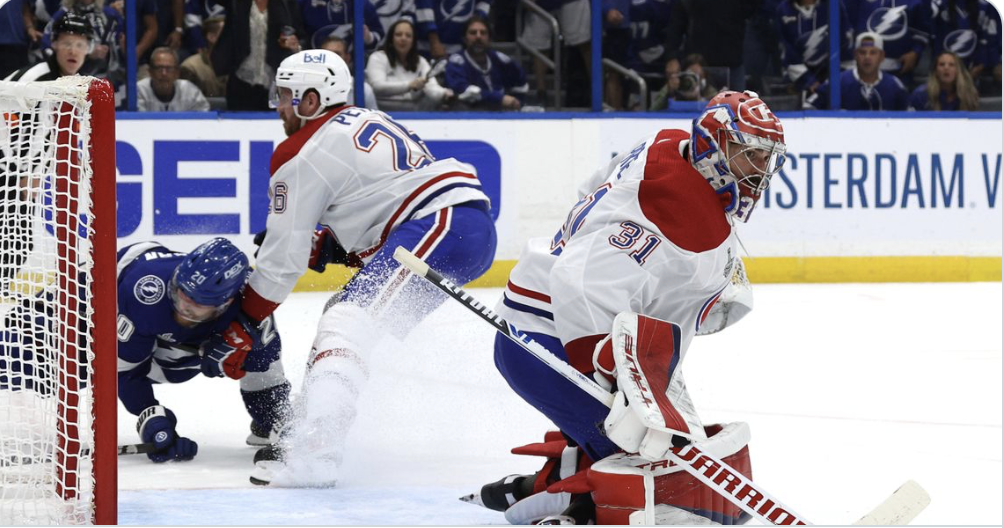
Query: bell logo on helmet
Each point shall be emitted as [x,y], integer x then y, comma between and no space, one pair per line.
[313,59]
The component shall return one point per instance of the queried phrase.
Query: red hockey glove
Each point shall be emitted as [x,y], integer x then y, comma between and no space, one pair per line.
[224,353]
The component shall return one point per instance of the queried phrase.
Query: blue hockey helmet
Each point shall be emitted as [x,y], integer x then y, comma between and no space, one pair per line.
[212,274]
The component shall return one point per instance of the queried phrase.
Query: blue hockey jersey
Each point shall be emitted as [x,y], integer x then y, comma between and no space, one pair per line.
[648,34]
[888,93]
[328,18]
[904,26]
[501,77]
[804,35]
[447,19]
[973,36]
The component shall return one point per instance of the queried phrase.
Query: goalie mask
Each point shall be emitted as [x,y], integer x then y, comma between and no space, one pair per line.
[322,71]
[737,144]
[207,280]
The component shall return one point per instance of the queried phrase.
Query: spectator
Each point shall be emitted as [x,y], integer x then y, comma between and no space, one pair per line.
[196,14]
[400,76]
[865,87]
[339,47]
[391,11]
[635,38]
[257,35]
[904,26]
[170,23]
[198,68]
[147,14]
[481,77]
[17,32]
[71,42]
[949,87]
[698,88]
[333,18]
[163,91]
[804,30]
[616,47]
[715,29]
[442,24]
[106,59]
[959,26]
[660,100]
[573,20]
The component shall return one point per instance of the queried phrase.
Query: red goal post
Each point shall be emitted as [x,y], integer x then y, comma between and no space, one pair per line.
[57,303]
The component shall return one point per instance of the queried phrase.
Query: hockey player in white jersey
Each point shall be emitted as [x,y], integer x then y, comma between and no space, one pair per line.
[353,183]
[651,240]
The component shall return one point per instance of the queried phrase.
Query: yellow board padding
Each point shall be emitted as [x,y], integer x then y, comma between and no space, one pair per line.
[764,270]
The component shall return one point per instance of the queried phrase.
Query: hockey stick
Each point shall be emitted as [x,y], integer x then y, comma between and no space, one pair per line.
[905,504]
[128,449]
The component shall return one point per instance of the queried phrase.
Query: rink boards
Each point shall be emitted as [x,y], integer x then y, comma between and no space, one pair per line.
[862,197]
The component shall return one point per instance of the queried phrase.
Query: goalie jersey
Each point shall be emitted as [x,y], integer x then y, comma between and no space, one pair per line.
[359,174]
[651,237]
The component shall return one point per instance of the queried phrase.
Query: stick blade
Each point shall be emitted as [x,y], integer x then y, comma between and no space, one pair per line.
[900,508]
[473,498]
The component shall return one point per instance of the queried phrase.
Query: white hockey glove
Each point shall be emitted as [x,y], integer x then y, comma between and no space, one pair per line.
[735,302]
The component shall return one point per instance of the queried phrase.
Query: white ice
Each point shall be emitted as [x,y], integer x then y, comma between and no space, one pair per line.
[849,389]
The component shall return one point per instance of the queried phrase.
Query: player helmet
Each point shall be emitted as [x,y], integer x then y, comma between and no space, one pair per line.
[320,70]
[75,24]
[211,275]
[737,144]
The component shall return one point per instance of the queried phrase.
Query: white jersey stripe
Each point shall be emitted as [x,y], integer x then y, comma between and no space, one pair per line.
[425,246]
[414,203]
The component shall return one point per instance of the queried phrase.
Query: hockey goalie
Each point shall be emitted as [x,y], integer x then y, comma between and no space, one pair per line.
[645,261]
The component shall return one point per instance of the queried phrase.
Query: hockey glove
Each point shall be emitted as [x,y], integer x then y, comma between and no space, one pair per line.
[224,353]
[324,250]
[156,425]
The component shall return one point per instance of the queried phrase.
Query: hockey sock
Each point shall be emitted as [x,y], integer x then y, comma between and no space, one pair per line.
[268,407]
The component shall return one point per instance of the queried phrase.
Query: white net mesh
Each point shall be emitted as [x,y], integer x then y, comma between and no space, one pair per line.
[46,438]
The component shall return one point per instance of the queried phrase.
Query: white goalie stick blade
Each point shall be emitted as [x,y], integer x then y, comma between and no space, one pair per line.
[899,509]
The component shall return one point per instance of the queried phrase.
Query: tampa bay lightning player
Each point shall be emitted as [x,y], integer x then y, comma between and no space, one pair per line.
[170,303]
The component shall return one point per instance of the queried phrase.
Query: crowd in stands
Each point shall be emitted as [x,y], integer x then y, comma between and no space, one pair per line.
[430,55]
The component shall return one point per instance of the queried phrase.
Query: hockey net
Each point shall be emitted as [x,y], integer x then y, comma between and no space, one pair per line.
[57,303]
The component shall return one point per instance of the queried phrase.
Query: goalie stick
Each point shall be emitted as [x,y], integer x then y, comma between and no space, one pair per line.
[902,506]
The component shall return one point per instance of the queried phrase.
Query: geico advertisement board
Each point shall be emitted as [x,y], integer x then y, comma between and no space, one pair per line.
[849,187]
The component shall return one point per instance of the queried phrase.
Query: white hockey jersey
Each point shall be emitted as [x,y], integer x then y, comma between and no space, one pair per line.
[651,237]
[358,173]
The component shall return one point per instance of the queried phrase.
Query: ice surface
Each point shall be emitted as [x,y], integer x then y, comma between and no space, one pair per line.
[849,390]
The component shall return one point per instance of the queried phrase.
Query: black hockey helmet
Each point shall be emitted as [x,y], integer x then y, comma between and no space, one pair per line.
[73,23]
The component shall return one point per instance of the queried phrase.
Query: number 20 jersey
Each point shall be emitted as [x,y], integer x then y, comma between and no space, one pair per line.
[652,238]
[358,173]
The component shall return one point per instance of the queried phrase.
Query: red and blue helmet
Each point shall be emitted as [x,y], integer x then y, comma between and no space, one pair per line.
[737,144]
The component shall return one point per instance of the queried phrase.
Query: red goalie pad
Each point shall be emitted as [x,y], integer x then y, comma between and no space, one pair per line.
[618,483]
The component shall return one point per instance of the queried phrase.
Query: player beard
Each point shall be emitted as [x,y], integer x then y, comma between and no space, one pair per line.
[292,124]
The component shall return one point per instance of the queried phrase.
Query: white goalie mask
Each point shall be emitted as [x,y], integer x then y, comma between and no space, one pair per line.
[320,70]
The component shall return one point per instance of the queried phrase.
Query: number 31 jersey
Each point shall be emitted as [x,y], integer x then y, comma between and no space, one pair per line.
[358,173]
[652,237]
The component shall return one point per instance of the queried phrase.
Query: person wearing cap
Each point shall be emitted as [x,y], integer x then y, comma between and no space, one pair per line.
[71,43]
[864,87]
